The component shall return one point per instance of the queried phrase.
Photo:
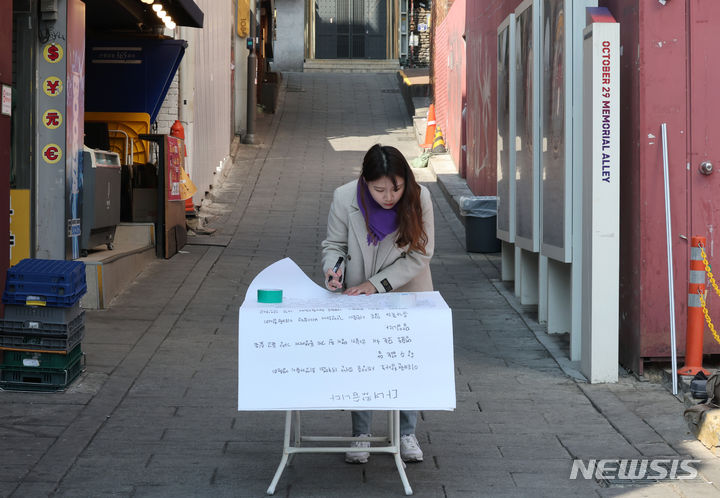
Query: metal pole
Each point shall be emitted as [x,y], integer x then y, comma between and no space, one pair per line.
[249,137]
[671,286]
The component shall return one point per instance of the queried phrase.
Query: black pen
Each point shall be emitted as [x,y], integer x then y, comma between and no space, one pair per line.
[336,268]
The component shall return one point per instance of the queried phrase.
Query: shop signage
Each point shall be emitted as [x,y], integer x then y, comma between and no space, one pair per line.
[52,86]
[52,119]
[174,163]
[6,100]
[52,153]
[53,53]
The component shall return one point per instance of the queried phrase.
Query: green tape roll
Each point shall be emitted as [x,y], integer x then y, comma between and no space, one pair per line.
[269,295]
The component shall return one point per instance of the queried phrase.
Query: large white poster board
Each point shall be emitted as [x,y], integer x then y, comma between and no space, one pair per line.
[506,130]
[319,350]
[527,126]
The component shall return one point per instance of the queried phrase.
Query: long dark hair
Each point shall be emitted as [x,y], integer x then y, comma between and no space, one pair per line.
[387,161]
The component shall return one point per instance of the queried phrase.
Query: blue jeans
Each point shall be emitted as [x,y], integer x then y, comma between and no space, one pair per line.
[361,422]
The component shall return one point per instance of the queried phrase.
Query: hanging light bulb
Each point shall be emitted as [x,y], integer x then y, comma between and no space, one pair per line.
[157,7]
[161,13]
[170,25]
[147,1]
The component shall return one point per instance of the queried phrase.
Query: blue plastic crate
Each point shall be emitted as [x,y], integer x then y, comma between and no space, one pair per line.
[46,282]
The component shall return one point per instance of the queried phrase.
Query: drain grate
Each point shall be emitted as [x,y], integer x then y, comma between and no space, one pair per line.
[390,90]
[295,89]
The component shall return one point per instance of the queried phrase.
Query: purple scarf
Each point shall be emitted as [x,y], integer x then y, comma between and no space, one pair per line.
[381,221]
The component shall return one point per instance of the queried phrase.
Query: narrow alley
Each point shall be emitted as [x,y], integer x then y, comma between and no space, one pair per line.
[155,413]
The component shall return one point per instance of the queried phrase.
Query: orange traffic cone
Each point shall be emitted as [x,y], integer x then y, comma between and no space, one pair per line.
[430,128]
[177,130]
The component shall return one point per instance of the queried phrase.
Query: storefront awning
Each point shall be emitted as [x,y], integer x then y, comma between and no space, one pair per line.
[134,15]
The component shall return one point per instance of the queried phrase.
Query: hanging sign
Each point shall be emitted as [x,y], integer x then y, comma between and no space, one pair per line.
[243,18]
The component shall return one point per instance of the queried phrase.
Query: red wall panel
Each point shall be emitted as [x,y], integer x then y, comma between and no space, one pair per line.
[482,20]
[453,129]
[440,75]
[662,82]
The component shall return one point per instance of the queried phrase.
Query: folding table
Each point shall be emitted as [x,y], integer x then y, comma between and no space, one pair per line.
[293,444]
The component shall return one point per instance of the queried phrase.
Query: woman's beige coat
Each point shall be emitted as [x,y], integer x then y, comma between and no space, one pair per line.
[386,266]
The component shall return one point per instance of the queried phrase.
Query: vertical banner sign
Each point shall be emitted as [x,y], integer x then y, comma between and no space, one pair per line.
[19,225]
[75,128]
[243,18]
[601,198]
[174,165]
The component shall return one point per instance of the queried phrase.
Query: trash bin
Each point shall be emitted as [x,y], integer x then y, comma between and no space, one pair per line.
[480,223]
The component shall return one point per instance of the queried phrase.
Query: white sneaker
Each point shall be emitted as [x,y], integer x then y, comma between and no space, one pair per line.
[410,449]
[358,456]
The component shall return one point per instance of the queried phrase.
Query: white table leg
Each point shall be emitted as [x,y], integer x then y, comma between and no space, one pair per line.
[395,435]
[284,459]
[289,451]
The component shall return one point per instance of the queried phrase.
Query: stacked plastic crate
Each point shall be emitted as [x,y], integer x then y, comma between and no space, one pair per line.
[41,333]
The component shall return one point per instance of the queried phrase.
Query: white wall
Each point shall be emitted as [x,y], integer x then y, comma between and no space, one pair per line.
[212,102]
[289,49]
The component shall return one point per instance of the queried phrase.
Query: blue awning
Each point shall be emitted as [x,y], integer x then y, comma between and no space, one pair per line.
[130,75]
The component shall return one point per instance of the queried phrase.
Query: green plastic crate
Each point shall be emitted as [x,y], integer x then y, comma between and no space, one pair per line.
[31,359]
[40,379]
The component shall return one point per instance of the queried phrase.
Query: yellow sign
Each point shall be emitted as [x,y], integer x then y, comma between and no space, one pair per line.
[52,86]
[52,153]
[52,52]
[243,18]
[187,187]
[52,119]
[19,225]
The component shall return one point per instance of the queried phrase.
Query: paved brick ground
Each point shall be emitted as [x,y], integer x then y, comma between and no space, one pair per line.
[155,412]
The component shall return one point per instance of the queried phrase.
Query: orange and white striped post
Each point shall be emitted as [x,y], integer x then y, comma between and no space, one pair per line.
[695,317]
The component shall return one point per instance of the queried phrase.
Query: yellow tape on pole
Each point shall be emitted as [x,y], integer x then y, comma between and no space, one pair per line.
[19,225]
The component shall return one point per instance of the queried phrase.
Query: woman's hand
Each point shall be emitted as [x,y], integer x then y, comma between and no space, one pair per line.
[333,280]
[364,288]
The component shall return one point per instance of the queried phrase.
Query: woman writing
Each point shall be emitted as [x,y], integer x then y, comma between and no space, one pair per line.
[382,226]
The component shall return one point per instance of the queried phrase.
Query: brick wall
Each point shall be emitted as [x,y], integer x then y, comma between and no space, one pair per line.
[421,54]
[169,109]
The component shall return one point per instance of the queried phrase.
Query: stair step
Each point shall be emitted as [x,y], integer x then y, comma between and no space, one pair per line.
[351,65]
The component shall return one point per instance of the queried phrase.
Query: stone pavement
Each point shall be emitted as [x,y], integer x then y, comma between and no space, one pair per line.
[155,412]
